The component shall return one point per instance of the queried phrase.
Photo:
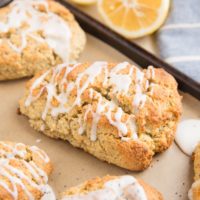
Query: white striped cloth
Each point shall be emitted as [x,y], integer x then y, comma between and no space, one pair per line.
[179,38]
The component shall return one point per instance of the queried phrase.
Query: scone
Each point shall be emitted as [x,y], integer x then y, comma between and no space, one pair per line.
[116,112]
[24,172]
[194,193]
[112,188]
[35,35]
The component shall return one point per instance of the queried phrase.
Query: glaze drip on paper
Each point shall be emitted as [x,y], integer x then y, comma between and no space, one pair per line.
[29,21]
[57,102]
[17,177]
[188,135]
[123,188]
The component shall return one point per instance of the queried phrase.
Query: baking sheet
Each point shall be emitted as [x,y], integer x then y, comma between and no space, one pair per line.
[171,172]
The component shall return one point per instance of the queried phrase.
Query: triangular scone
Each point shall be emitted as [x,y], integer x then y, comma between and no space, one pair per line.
[35,35]
[116,112]
[111,188]
[24,172]
[194,193]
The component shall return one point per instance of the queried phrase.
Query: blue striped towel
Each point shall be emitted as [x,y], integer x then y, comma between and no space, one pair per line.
[179,38]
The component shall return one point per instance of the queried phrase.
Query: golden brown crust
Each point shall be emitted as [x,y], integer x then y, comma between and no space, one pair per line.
[151,192]
[197,163]
[37,55]
[98,183]
[156,121]
[16,162]
[194,193]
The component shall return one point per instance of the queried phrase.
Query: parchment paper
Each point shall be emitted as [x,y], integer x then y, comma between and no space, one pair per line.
[171,172]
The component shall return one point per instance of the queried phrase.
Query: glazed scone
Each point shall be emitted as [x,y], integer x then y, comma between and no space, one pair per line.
[194,193]
[111,188]
[35,35]
[24,172]
[114,111]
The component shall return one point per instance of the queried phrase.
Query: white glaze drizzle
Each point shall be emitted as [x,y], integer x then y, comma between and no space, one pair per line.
[150,72]
[188,135]
[56,32]
[13,151]
[48,193]
[42,127]
[16,153]
[121,82]
[139,98]
[40,153]
[107,108]
[81,128]
[35,84]
[122,188]
[113,77]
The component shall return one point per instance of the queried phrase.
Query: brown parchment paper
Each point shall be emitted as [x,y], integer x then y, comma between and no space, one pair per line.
[171,172]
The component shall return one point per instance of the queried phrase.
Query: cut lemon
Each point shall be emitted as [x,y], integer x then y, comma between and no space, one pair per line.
[84,2]
[134,18]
